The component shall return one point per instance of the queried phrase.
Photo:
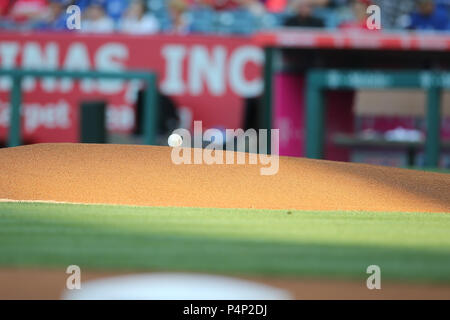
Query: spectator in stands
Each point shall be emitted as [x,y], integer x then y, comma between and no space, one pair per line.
[222,4]
[393,13]
[5,22]
[359,21]
[115,9]
[4,7]
[24,11]
[256,7]
[428,16]
[95,19]
[83,4]
[276,6]
[138,20]
[54,17]
[304,15]
[180,22]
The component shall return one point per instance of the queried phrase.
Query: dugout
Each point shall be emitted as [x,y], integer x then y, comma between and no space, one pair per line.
[290,55]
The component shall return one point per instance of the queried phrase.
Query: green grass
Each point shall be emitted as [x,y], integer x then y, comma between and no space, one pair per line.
[407,247]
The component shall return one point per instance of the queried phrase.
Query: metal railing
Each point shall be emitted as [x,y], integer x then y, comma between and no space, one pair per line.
[150,100]
[319,80]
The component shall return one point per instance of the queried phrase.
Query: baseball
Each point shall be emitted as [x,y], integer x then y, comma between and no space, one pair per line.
[175,140]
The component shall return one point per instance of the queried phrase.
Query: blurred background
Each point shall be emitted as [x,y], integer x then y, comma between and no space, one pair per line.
[241,17]
[210,58]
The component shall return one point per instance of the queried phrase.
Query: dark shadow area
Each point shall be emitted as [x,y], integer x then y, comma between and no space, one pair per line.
[400,182]
[37,242]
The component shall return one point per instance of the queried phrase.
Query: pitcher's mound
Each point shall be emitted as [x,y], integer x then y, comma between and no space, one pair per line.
[145,175]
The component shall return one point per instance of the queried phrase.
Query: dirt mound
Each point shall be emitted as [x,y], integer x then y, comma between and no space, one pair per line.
[145,175]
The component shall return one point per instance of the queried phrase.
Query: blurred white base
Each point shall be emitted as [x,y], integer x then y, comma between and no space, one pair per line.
[174,286]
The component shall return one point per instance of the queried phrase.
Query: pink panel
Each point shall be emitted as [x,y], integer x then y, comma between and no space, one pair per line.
[289,116]
[288,112]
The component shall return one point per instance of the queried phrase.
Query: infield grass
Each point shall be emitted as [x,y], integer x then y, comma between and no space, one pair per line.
[407,247]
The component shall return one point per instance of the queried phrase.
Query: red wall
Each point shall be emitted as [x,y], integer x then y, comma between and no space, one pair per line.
[206,75]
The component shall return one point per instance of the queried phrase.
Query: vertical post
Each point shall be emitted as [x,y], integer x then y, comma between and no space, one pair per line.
[150,110]
[92,124]
[14,138]
[433,139]
[266,115]
[315,118]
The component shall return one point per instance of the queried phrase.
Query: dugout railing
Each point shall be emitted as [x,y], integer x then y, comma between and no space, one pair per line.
[320,80]
[150,101]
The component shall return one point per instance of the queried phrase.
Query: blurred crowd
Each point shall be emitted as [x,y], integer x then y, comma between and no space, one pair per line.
[221,16]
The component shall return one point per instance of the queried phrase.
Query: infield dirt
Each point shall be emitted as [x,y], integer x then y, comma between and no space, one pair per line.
[145,175]
[50,284]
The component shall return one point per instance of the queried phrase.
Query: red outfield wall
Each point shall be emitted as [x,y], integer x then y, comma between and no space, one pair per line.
[206,75]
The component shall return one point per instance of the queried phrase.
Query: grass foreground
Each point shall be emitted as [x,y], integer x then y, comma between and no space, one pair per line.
[407,247]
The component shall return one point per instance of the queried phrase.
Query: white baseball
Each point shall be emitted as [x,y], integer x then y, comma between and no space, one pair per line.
[175,140]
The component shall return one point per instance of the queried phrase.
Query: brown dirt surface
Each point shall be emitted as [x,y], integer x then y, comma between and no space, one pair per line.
[145,175]
[50,284]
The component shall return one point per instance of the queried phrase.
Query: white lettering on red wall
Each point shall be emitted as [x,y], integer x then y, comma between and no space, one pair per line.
[208,76]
